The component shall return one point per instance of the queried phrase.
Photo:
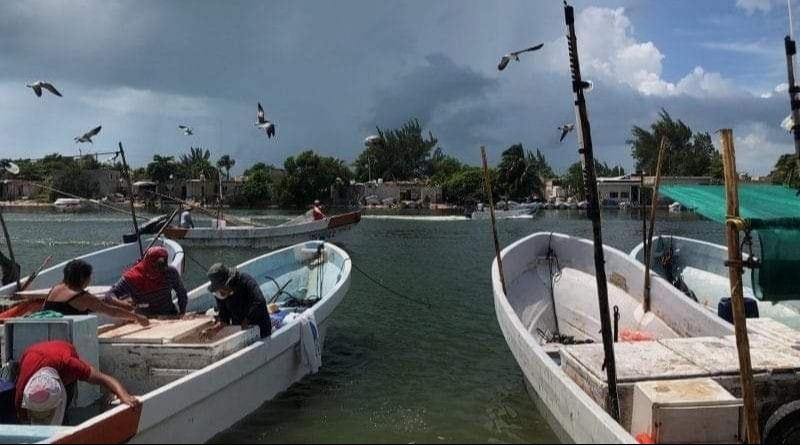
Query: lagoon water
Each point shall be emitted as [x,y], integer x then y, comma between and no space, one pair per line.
[394,371]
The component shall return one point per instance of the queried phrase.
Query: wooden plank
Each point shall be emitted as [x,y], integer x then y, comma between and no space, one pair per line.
[159,332]
[719,356]
[776,331]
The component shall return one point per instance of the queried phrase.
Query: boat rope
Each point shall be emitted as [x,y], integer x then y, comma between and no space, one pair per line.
[388,289]
[555,276]
[228,218]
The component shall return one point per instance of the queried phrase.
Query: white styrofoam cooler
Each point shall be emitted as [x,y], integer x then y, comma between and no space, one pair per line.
[687,411]
[80,331]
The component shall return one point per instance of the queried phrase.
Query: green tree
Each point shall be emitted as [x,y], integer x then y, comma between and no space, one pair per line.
[257,190]
[226,163]
[309,177]
[467,185]
[197,162]
[404,154]
[521,175]
[573,183]
[162,168]
[444,166]
[689,153]
[786,171]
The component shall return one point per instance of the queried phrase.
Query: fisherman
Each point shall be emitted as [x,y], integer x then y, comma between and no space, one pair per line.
[71,297]
[239,301]
[10,270]
[150,284]
[186,219]
[316,211]
[48,374]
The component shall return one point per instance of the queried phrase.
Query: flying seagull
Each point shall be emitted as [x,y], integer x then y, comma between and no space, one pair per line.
[188,131]
[515,56]
[788,123]
[265,123]
[40,84]
[87,137]
[9,166]
[565,130]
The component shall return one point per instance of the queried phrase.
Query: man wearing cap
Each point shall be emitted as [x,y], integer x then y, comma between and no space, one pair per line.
[48,374]
[239,301]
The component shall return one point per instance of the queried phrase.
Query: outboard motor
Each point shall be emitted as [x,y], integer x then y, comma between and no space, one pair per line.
[725,309]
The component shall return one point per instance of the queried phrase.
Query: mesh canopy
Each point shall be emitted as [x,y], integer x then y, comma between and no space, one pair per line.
[773,213]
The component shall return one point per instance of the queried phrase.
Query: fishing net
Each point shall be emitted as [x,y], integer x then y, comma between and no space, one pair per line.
[773,213]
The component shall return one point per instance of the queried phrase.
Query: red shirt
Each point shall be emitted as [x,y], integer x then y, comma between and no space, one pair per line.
[58,355]
[318,215]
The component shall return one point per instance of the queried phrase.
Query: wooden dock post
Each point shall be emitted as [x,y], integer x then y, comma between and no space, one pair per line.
[736,268]
[648,250]
[487,181]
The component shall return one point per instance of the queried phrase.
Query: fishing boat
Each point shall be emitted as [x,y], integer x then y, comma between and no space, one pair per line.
[698,269]
[549,316]
[193,388]
[510,210]
[71,205]
[303,228]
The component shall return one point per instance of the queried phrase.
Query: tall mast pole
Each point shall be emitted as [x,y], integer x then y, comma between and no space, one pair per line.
[127,173]
[590,179]
[791,51]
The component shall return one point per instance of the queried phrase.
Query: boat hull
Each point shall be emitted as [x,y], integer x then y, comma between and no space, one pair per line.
[264,237]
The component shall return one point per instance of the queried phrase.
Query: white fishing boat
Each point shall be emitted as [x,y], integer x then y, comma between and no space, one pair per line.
[192,389]
[698,269]
[299,230]
[508,211]
[71,205]
[550,319]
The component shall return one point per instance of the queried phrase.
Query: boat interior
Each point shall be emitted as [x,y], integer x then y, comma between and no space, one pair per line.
[552,289]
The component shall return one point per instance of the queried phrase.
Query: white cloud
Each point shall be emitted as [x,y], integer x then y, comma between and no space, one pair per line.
[614,55]
[756,153]
[782,88]
[751,48]
[752,6]
[126,100]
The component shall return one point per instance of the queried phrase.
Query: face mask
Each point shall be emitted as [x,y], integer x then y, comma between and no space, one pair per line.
[222,295]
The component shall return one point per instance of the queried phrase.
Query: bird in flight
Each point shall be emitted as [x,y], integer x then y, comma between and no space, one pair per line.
[565,130]
[188,131]
[788,123]
[9,166]
[40,85]
[515,56]
[265,123]
[87,137]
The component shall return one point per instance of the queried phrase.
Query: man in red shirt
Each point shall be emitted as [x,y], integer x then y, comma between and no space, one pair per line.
[48,374]
[316,211]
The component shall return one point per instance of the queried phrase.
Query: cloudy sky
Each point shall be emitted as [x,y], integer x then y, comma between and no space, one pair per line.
[328,72]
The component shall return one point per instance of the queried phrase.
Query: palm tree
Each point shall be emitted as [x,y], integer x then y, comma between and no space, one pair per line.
[786,171]
[197,163]
[226,163]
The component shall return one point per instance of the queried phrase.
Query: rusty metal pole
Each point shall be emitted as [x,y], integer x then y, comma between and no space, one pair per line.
[736,267]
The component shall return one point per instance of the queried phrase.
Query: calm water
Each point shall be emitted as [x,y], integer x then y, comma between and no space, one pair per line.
[394,371]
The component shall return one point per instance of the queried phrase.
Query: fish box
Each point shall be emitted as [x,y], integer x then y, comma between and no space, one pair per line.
[147,359]
[687,411]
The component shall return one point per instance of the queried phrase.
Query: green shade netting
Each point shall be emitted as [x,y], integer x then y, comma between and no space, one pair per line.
[773,213]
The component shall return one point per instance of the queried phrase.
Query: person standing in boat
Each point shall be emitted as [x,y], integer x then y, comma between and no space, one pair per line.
[186,219]
[10,270]
[239,301]
[316,211]
[48,375]
[150,284]
[71,297]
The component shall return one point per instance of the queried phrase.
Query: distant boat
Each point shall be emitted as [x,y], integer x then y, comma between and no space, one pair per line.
[675,207]
[70,205]
[699,267]
[510,210]
[301,229]
[563,362]
[191,389]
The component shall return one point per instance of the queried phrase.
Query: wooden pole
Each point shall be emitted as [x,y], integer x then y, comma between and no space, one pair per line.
[643,212]
[14,264]
[164,228]
[648,258]
[736,268]
[487,181]
[127,173]
[590,177]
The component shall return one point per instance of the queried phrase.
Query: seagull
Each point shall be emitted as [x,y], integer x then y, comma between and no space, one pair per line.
[565,130]
[188,131]
[40,84]
[9,166]
[515,56]
[265,123]
[788,123]
[87,137]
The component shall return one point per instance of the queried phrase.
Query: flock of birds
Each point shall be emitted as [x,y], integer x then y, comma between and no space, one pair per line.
[40,86]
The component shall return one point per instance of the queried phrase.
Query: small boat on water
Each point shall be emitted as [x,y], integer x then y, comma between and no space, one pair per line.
[192,389]
[71,205]
[509,210]
[303,228]
[550,319]
[698,269]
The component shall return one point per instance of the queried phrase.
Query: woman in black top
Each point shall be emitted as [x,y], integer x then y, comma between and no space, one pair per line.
[71,297]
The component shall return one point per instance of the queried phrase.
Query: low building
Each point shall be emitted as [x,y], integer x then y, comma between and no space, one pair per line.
[355,194]
[16,190]
[554,190]
[628,188]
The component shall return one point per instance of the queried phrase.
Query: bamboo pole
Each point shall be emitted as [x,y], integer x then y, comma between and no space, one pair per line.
[590,177]
[648,257]
[487,181]
[164,228]
[736,267]
[14,264]
[127,174]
